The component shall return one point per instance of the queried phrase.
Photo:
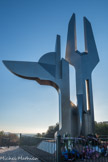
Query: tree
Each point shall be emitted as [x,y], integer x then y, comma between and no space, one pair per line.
[38,135]
[52,130]
[8,139]
[101,128]
[1,135]
[13,138]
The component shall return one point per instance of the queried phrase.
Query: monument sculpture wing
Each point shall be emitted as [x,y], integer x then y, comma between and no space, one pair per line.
[30,70]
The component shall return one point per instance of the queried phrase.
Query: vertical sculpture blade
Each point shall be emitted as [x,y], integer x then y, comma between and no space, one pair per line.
[58,57]
[71,38]
[80,110]
[90,46]
[58,48]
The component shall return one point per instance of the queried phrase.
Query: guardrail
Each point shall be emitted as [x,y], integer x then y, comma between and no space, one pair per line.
[87,148]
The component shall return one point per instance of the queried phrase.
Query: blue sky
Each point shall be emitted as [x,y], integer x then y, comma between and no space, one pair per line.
[28,29]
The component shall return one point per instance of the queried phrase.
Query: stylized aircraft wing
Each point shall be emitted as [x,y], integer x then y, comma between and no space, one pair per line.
[30,70]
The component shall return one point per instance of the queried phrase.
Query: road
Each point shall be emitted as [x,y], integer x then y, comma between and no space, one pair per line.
[16,154]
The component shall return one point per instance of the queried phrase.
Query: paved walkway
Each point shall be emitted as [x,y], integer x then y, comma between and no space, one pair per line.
[16,154]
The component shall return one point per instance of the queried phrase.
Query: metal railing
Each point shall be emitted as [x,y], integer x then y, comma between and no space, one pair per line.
[85,148]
